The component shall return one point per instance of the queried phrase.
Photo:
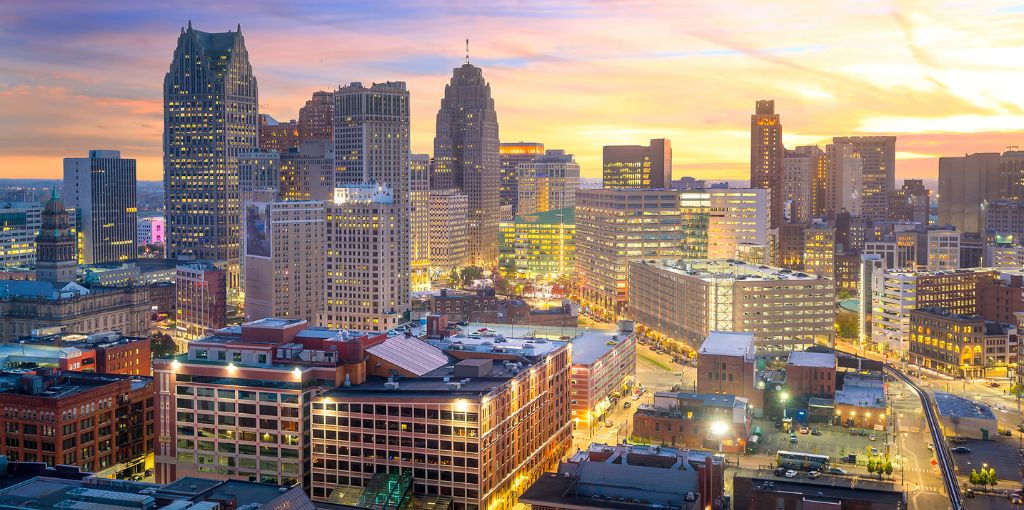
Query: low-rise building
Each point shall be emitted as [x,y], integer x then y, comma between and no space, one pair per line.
[31,305]
[98,422]
[694,420]
[461,306]
[811,374]
[726,366]
[959,345]
[603,369]
[761,489]
[860,402]
[686,300]
[959,417]
[201,299]
[630,477]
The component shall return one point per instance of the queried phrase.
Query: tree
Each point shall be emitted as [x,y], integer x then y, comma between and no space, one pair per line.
[871,465]
[470,273]
[990,477]
[888,467]
[161,344]
[1017,390]
[453,278]
[847,325]
[974,478]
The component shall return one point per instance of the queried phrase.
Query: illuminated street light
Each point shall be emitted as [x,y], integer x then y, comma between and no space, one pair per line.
[719,428]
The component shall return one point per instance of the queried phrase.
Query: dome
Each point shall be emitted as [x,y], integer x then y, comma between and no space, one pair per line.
[54,205]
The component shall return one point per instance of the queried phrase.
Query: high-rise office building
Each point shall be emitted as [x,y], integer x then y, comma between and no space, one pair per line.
[19,227]
[510,155]
[210,109]
[878,164]
[466,156]
[615,226]
[449,229]
[283,251]
[307,171]
[419,221]
[1003,220]
[538,244]
[943,250]
[638,166]
[201,299]
[844,183]
[766,155]
[101,190]
[965,182]
[316,119]
[731,217]
[259,175]
[1011,175]
[800,174]
[911,203]
[367,286]
[820,250]
[547,182]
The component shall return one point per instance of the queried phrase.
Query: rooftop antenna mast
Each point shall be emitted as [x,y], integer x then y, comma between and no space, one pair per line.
[467,50]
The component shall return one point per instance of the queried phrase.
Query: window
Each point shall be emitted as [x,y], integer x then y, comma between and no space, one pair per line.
[221,356]
[201,354]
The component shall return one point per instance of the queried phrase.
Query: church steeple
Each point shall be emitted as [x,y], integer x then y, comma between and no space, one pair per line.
[55,246]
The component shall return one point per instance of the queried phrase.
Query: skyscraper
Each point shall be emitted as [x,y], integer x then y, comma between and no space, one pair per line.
[911,202]
[367,285]
[547,182]
[316,119]
[799,171]
[964,183]
[210,109]
[55,246]
[449,223]
[878,158]
[766,155]
[277,136]
[19,227]
[307,171]
[638,166]
[419,220]
[510,155]
[369,242]
[845,182]
[101,190]
[466,156]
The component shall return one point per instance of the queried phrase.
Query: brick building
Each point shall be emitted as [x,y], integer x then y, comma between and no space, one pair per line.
[101,423]
[811,374]
[726,365]
[691,420]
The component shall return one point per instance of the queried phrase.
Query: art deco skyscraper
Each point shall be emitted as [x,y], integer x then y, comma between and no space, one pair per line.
[766,155]
[466,156]
[210,109]
[101,190]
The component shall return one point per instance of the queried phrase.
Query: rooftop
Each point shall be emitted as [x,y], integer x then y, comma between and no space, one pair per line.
[591,345]
[830,490]
[952,405]
[728,269]
[728,343]
[410,353]
[812,359]
[491,340]
[429,386]
[707,399]
[861,391]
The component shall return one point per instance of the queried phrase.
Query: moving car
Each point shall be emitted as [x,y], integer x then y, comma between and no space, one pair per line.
[961,449]
[813,475]
[804,430]
[1014,499]
[779,471]
[837,471]
[791,474]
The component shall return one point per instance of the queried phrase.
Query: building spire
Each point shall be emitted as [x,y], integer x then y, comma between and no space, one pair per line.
[53,191]
[190,24]
[467,50]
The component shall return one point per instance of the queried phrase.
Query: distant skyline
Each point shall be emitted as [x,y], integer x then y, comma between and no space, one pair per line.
[576,76]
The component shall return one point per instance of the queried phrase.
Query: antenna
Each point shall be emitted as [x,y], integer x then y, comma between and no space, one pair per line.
[467,50]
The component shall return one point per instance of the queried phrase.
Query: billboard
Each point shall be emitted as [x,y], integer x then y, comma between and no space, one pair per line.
[257,230]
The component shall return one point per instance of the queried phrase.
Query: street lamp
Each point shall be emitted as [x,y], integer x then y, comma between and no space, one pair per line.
[719,429]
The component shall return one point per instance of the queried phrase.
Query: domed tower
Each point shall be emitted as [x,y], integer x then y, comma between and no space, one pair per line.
[55,246]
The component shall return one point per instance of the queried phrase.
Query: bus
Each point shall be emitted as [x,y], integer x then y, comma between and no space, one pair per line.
[752,443]
[802,461]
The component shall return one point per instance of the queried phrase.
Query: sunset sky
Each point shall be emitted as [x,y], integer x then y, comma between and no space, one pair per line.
[945,77]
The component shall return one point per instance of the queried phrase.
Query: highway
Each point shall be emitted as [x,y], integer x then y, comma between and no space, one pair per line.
[942,452]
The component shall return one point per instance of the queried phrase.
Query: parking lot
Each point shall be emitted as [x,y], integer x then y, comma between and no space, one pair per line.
[1001,454]
[836,442]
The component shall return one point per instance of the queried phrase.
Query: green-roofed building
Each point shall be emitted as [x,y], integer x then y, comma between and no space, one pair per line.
[538,244]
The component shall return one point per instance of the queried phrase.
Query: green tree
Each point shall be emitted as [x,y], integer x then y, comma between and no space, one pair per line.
[990,477]
[1017,390]
[888,467]
[847,326]
[871,465]
[974,478]
[161,344]
[453,278]
[470,273]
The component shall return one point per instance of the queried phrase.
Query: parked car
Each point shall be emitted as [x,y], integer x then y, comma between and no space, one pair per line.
[791,474]
[872,437]
[1005,432]
[792,438]
[626,404]
[958,440]
[993,384]
[850,459]
[804,430]
[813,475]
[837,471]
[961,449]
[874,452]
[931,446]
[1014,498]
[779,471]
[815,432]
[863,432]
[969,493]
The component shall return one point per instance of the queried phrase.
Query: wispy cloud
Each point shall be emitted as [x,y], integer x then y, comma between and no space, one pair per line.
[574,75]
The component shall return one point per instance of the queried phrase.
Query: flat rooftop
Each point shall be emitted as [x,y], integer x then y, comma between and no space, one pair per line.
[812,359]
[728,343]
[590,345]
[481,338]
[728,269]
[421,387]
[952,405]
[829,490]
